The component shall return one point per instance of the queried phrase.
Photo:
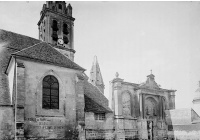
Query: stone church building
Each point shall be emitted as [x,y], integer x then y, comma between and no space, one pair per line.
[44,94]
[139,109]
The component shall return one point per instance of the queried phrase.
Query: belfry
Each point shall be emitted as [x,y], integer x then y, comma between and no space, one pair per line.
[56,26]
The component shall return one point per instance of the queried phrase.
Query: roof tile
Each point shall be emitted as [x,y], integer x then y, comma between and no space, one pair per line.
[95,95]
[44,52]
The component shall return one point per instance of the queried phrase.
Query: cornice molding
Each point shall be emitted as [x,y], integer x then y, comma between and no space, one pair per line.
[57,13]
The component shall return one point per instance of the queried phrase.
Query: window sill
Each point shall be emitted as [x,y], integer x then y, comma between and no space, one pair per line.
[49,112]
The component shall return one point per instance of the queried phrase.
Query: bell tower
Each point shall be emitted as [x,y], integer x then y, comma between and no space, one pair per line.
[56,26]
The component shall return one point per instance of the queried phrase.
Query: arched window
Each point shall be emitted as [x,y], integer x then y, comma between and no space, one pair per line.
[50,98]
[55,29]
[65,29]
[60,6]
[53,8]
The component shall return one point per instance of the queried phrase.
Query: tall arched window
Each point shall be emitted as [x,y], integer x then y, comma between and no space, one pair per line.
[55,29]
[65,29]
[60,6]
[50,98]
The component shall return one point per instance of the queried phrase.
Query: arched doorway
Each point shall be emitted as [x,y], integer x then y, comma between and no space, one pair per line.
[151,111]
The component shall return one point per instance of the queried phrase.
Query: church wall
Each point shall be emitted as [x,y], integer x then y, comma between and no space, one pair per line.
[99,129]
[184,135]
[134,99]
[6,123]
[49,123]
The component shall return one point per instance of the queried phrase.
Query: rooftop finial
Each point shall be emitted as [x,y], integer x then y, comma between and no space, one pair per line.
[95,58]
[117,74]
[151,71]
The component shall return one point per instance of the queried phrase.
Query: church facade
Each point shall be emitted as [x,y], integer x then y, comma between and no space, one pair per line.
[139,109]
[44,94]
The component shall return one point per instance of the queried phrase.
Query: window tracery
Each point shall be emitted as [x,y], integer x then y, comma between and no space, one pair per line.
[50,98]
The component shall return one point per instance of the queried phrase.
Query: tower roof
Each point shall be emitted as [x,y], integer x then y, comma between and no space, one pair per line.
[95,74]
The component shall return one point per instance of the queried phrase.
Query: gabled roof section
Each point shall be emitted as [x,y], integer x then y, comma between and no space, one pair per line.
[95,98]
[150,83]
[16,41]
[45,53]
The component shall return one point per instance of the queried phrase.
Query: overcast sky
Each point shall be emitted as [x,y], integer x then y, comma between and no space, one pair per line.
[130,38]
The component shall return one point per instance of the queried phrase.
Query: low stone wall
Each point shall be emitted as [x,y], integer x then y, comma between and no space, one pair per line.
[184,135]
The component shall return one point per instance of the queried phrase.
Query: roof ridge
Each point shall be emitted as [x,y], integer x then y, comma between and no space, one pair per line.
[62,54]
[26,48]
[66,62]
[8,31]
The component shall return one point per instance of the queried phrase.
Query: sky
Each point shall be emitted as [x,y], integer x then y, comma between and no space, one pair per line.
[131,38]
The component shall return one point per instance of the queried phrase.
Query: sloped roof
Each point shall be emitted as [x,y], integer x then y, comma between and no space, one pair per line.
[45,53]
[92,106]
[95,98]
[16,41]
[9,43]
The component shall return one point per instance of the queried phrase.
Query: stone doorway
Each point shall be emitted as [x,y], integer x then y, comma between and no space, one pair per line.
[150,130]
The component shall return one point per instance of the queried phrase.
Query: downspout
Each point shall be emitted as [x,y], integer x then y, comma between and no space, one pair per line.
[15,107]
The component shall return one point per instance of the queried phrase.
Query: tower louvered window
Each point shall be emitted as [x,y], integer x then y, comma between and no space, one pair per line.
[54,29]
[60,6]
[65,29]
[50,98]
[65,33]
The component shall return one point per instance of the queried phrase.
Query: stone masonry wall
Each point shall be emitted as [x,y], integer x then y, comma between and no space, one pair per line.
[6,123]
[99,129]
[184,135]
[48,123]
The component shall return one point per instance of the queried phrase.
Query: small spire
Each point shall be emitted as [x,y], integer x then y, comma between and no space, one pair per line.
[95,60]
[69,5]
[117,74]
[95,75]
[151,71]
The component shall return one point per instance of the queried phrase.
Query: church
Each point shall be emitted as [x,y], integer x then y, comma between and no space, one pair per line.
[44,94]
